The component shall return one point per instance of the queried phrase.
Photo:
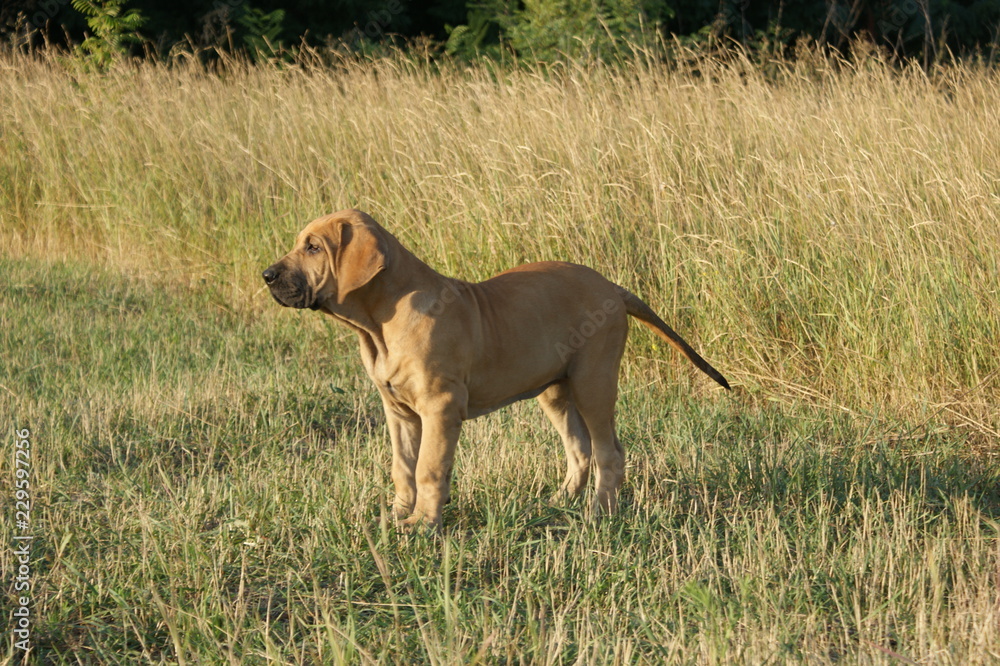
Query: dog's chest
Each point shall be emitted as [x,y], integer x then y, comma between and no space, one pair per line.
[388,378]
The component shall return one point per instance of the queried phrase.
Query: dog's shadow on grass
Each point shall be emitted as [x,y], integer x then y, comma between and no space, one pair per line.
[928,475]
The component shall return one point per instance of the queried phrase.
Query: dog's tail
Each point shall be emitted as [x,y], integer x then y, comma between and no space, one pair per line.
[636,307]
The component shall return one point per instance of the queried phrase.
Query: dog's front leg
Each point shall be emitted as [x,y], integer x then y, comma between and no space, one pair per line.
[404,431]
[440,427]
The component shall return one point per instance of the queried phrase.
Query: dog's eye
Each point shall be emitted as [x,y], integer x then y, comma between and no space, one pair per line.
[311,249]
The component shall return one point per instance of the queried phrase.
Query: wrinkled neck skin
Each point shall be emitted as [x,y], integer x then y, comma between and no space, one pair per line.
[368,309]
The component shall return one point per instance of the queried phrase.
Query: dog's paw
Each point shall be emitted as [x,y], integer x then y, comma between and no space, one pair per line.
[563,498]
[400,511]
[417,524]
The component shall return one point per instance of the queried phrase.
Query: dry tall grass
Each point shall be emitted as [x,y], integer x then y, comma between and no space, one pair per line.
[828,231]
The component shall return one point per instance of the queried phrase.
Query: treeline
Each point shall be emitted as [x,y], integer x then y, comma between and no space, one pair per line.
[531,29]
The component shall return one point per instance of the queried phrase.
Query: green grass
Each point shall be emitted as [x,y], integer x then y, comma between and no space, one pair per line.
[210,473]
[202,493]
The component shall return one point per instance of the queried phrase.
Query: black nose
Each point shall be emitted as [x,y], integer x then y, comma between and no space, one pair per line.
[270,275]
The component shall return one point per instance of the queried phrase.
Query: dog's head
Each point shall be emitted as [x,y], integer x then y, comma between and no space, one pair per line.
[333,256]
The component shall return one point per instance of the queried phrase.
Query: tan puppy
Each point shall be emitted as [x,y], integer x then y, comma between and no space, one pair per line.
[441,350]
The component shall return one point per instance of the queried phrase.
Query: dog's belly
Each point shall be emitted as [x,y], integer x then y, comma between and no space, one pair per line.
[475,410]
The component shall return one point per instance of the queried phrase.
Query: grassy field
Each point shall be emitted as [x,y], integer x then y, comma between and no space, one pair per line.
[209,471]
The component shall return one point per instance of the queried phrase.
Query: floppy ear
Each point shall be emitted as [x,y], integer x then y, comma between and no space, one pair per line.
[360,257]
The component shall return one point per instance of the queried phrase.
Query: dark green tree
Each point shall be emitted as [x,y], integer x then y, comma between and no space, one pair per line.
[112,30]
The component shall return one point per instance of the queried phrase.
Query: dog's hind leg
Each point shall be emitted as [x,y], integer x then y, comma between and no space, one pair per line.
[594,388]
[557,404]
